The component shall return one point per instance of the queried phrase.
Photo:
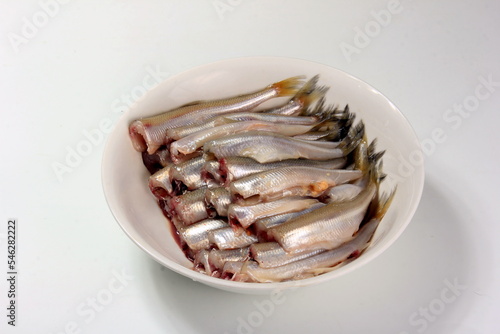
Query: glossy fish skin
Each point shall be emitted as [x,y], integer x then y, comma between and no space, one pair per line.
[272,118]
[191,143]
[264,224]
[229,238]
[190,207]
[217,258]
[202,263]
[269,147]
[310,266]
[167,181]
[189,173]
[150,133]
[246,215]
[219,198]
[210,172]
[294,180]
[342,193]
[325,228]
[160,183]
[184,131]
[271,254]
[196,235]
[235,168]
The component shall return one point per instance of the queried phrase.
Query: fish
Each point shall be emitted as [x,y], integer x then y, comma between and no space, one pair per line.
[158,160]
[174,179]
[219,198]
[267,147]
[231,238]
[217,257]
[262,225]
[271,254]
[160,183]
[342,193]
[196,235]
[149,133]
[246,215]
[272,118]
[193,142]
[304,98]
[235,168]
[188,173]
[184,131]
[210,172]
[314,265]
[291,181]
[202,263]
[327,227]
[190,207]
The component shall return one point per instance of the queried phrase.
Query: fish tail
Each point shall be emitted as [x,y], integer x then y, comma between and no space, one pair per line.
[373,155]
[361,155]
[384,203]
[309,93]
[308,98]
[353,138]
[308,87]
[288,86]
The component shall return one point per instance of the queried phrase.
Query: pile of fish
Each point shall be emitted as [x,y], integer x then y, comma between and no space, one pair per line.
[265,195]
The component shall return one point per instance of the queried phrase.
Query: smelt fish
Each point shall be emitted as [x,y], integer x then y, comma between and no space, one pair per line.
[150,133]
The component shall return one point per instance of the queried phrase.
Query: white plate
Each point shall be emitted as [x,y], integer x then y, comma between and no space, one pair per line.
[124,176]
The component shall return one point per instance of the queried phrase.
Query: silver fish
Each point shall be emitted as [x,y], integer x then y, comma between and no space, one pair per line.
[196,235]
[217,257]
[304,98]
[172,178]
[188,173]
[291,181]
[160,183]
[246,215]
[264,224]
[150,133]
[312,265]
[184,131]
[269,147]
[202,263]
[327,227]
[210,172]
[219,198]
[191,143]
[229,238]
[235,168]
[190,207]
[342,193]
[271,254]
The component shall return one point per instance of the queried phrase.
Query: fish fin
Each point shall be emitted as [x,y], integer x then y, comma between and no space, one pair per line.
[384,203]
[309,97]
[288,86]
[373,155]
[353,138]
[308,87]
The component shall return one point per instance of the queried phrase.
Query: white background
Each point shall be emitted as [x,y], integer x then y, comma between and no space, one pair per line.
[65,74]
